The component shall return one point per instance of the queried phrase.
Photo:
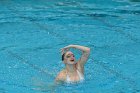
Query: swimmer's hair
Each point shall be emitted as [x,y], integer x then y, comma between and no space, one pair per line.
[63,56]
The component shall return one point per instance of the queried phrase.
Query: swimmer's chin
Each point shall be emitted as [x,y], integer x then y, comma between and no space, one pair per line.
[71,62]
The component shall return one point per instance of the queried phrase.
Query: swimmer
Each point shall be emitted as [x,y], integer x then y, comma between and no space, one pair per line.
[74,70]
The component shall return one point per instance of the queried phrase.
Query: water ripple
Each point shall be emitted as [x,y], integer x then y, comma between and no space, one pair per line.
[122,11]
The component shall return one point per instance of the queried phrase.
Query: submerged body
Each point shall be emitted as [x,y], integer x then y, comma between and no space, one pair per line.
[74,70]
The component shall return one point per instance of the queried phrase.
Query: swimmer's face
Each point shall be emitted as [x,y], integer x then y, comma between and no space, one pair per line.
[69,57]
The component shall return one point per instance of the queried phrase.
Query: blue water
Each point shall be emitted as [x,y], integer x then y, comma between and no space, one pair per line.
[33,31]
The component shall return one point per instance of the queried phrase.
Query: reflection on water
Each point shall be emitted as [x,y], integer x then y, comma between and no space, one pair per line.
[2,90]
[37,29]
[39,84]
[134,0]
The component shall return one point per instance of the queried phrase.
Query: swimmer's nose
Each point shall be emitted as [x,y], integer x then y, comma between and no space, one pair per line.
[72,58]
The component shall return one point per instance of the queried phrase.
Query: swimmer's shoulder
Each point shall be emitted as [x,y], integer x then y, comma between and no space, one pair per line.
[61,76]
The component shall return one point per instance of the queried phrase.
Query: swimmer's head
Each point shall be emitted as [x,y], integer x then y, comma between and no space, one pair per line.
[68,58]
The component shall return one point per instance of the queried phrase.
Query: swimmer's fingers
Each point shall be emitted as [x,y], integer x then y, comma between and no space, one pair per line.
[66,49]
[62,51]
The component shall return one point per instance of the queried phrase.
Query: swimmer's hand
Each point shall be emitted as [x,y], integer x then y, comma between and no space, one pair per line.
[67,48]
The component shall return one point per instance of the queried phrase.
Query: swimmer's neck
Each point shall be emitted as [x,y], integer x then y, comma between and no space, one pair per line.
[70,68]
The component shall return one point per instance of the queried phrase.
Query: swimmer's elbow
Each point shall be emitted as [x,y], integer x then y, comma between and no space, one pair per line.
[88,50]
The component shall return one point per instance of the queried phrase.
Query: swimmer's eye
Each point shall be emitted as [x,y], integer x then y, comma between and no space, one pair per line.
[68,56]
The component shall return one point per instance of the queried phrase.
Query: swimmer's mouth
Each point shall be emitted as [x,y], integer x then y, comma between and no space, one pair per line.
[72,60]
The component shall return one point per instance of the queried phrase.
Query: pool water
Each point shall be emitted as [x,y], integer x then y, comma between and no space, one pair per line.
[33,31]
